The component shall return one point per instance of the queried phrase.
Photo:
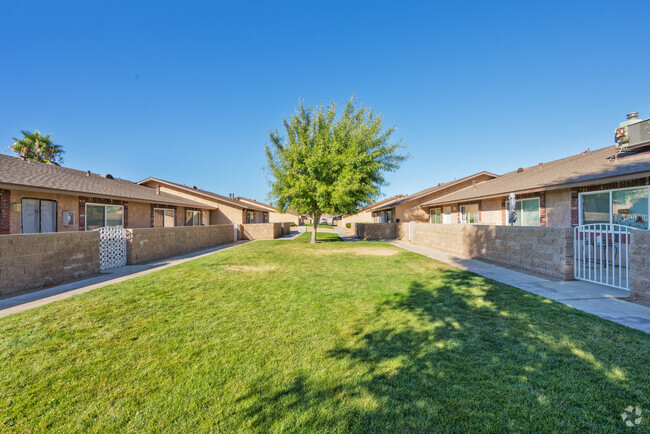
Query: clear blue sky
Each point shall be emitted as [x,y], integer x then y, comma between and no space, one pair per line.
[187,91]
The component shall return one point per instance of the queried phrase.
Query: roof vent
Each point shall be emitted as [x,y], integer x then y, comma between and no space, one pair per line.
[194,187]
[521,169]
[633,115]
[157,188]
[107,176]
[541,165]
[87,172]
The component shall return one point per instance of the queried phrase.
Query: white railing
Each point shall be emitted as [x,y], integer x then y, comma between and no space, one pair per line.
[601,254]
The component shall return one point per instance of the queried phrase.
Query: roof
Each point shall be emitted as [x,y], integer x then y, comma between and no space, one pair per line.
[204,193]
[576,170]
[17,172]
[264,205]
[430,190]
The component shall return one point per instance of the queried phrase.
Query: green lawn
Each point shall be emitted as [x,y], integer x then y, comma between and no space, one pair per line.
[321,225]
[285,335]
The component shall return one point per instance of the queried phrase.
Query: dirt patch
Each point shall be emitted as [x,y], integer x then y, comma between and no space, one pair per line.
[249,267]
[367,251]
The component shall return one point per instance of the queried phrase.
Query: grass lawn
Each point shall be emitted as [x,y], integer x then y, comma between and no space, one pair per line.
[320,225]
[285,335]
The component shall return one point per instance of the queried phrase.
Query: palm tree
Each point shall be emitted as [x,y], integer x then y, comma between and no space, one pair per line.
[35,147]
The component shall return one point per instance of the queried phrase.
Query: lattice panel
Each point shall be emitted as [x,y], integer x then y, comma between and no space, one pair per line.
[112,247]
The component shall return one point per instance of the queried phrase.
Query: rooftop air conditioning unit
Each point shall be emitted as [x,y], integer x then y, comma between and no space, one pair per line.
[639,133]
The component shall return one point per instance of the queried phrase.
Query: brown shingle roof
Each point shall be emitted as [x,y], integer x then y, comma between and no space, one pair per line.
[570,171]
[205,193]
[430,190]
[17,173]
[264,205]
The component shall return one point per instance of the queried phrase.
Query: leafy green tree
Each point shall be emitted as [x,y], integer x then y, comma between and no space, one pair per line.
[36,147]
[328,163]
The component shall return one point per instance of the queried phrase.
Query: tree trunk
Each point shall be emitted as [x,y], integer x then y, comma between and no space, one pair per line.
[314,226]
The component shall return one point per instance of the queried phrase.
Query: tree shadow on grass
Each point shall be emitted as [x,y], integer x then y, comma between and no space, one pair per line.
[459,352]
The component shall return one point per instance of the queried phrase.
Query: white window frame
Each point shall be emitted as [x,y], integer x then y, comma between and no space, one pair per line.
[104,205]
[164,210]
[611,198]
[539,211]
[205,218]
[194,212]
[431,215]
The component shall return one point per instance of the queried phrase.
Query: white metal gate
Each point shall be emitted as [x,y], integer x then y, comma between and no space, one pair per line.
[112,247]
[601,254]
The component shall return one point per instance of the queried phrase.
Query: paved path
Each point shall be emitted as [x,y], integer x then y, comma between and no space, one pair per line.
[38,298]
[344,235]
[597,299]
[293,234]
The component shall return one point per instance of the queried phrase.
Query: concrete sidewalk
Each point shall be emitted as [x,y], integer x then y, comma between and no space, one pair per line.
[344,235]
[589,297]
[29,300]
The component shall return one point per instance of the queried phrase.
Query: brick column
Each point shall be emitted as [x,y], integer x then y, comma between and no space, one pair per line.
[5,209]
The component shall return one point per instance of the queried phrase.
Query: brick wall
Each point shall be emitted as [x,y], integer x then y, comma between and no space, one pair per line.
[5,209]
[541,250]
[640,265]
[286,228]
[37,260]
[153,244]
[261,231]
[376,231]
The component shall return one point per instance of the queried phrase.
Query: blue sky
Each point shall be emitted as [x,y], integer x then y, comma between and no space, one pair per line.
[188,91]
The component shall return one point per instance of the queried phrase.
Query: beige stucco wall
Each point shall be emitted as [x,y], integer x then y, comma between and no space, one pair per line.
[558,208]
[361,217]
[491,212]
[37,260]
[64,203]
[139,215]
[276,217]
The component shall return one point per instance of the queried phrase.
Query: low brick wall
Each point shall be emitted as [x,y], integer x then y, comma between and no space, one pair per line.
[541,250]
[640,264]
[38,260]
[153,244]
[261,231]
[286,228]
[376,231]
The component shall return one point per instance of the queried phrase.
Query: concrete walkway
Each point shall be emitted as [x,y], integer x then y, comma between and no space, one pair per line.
[589,297]
[22,302]
[344,235]
[293,234]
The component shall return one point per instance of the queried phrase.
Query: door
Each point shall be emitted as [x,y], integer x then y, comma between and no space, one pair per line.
[446,215]
[38,216]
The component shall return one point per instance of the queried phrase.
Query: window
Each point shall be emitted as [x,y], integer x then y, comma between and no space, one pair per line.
[265,217]
[436,215]
[388,216]
[595,208]
[192,218]
[205,218]
[627,206]
[630,207]
[527,212]
[469,213]
[99,216]
[38,216]
[163,218]
[250,217]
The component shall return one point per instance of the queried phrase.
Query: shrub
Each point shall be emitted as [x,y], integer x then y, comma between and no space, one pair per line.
[292,224]
[348,225]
